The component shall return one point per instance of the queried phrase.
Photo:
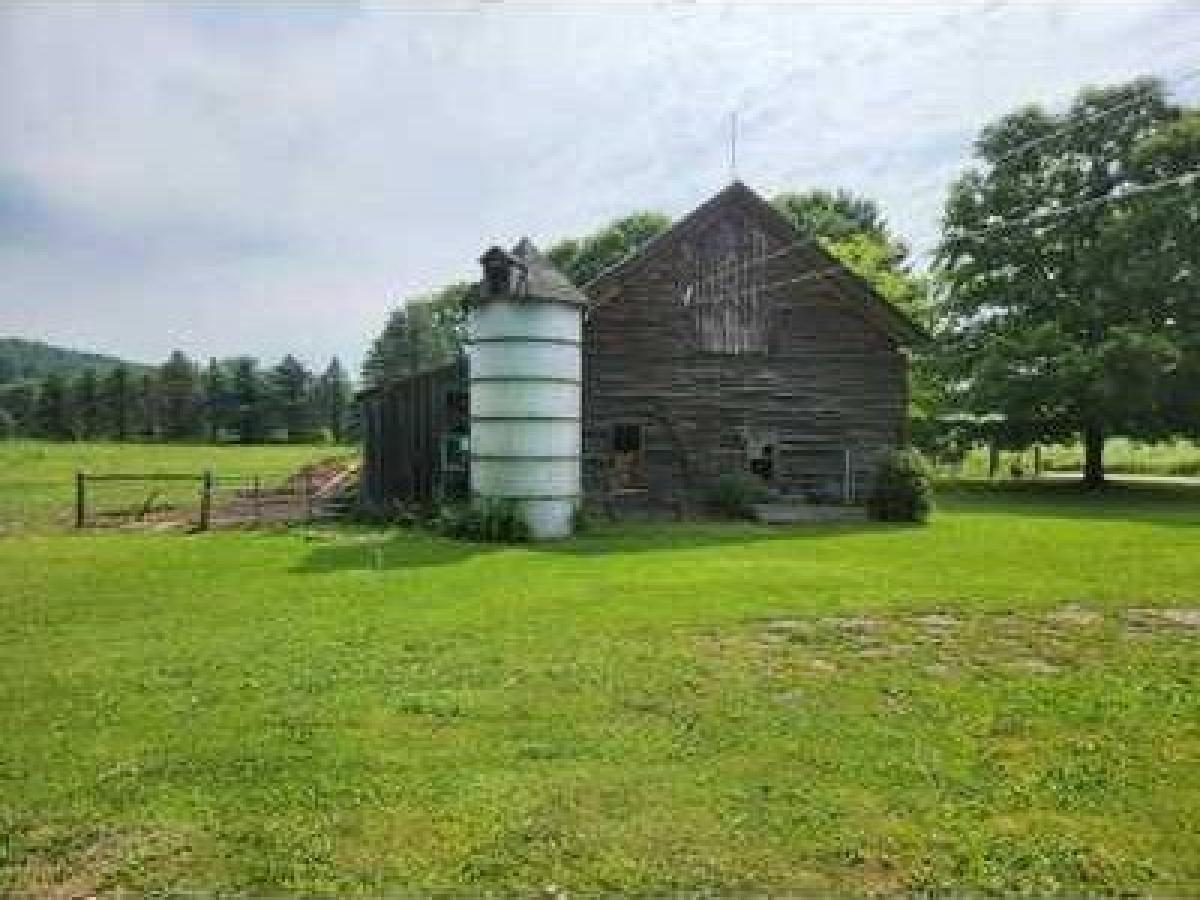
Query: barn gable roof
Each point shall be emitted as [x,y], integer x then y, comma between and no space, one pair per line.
[895,321]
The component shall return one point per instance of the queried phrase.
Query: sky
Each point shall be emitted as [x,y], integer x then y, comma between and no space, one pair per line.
[230,178]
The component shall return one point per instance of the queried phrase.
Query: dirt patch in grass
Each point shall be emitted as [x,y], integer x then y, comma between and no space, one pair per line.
[944,644]
[86,864]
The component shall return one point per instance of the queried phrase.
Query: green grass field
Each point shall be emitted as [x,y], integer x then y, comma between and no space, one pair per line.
[1005,700]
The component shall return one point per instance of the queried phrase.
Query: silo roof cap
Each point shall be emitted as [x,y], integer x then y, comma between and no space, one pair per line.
[542,280]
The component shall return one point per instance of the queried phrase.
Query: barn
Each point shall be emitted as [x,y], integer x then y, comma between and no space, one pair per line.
[730,343]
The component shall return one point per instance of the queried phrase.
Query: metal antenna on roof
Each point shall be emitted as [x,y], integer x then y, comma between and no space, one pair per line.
[733,146]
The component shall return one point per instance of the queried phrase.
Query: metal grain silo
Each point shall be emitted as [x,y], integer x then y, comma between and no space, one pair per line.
[525,375]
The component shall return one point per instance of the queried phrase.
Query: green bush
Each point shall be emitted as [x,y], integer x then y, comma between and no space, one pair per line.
[902,491]
[494,520]
[582,520]
[736,492]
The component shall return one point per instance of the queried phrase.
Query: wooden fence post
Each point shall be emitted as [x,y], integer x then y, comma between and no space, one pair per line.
[257,495]
[80,499]
[206,486]
[307,482]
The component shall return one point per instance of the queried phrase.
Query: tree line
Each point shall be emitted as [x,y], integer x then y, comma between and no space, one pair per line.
[226,400]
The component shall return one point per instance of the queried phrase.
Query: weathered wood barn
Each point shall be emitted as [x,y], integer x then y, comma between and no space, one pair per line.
[729,343]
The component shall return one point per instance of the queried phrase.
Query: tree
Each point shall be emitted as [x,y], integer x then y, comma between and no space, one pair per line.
[19,400]
[248,396]
[220,405]
[54,415]
[582,259]
[425,332]
[178,381]
[832,215]
[291,398]
[85,402]
[1161,231]
[1056,304]
[117,403]
[332,400]
[150,406]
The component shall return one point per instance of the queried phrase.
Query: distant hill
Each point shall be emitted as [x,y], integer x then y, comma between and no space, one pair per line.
[21,359]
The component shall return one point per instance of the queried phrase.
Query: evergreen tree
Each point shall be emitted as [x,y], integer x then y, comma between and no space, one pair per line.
[291,398]
[20,399]
[85,403]
[220,405]
[118,404]
[424,333]
[150,406]
[333,400]
[54,414]
[178,382]
[248,397]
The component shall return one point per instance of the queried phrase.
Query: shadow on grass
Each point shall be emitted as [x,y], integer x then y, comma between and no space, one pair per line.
[396,550]
[418,549]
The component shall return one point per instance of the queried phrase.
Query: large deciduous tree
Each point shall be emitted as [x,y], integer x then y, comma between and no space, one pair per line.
[1069,284]
[582,259]
[854,231]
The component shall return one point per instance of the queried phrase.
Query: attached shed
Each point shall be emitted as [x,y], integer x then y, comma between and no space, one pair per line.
[415,438]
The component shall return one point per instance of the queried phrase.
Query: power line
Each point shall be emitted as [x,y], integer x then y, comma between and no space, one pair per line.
[1038,216]
[1092,117]
[1187,75]
[805,241]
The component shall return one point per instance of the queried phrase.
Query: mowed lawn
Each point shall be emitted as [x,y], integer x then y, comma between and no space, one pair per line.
[1004,700]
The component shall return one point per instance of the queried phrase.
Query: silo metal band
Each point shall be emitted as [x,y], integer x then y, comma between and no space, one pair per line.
[525,418]
[540,457]
[529,496]
[522,339]
[525,379]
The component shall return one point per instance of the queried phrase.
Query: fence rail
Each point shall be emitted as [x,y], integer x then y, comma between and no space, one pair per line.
[122,498]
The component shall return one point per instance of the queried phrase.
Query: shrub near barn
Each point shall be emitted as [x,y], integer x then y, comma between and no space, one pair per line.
[902,490]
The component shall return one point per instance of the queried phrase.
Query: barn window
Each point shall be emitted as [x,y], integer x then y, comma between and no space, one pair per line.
[628,456]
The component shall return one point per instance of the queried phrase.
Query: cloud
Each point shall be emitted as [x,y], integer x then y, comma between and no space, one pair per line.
[271,178]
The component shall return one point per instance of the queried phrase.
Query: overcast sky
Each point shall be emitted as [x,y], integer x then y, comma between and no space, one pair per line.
[237,178]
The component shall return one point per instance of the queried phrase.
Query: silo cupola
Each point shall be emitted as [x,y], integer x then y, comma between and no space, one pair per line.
[498,270]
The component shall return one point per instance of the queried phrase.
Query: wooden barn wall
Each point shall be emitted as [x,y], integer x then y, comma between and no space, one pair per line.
[403,426]
[830,377]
